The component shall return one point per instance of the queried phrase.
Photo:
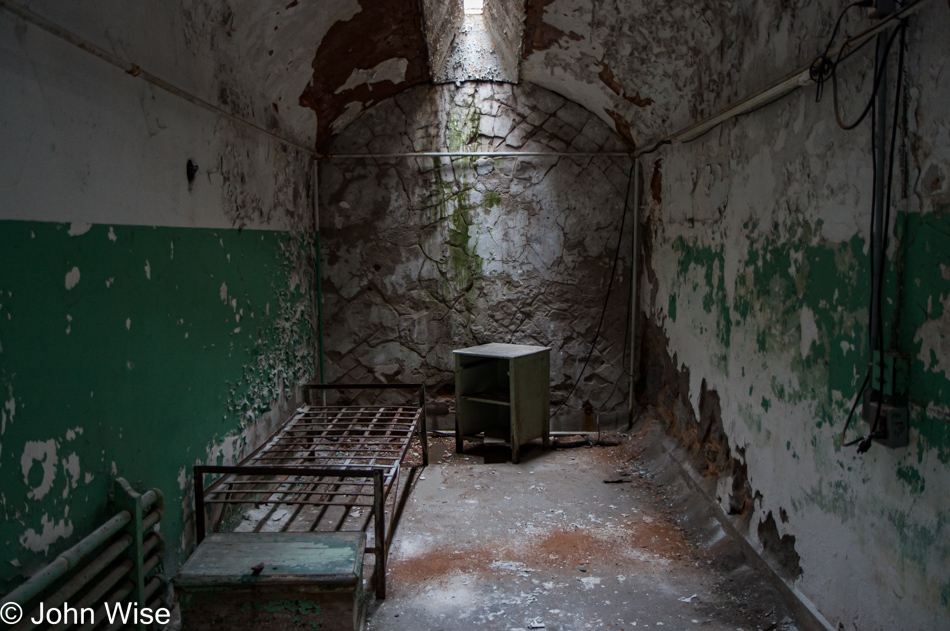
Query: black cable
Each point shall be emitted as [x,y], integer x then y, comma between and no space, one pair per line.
[877,278]
[603,312]
[626,325]
[887,222]
[867,373]
[872,241]
[878,75]
[823,68]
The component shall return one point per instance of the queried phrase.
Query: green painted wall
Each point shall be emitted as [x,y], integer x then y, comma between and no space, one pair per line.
[135,351]
[776,319]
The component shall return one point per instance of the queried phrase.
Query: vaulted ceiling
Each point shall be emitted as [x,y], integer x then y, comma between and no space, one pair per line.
[646,67]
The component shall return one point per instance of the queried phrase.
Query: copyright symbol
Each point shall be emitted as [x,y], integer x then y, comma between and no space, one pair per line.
[11,613]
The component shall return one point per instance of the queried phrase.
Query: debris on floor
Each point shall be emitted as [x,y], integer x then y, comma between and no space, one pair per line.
[570,540]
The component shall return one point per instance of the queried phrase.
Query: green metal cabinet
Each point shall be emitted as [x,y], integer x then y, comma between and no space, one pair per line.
[503,391]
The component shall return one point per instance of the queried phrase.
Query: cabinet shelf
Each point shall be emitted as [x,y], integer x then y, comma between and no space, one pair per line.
[503,392]
[495,397]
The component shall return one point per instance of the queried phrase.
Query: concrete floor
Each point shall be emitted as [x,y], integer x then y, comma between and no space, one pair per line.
[548,544]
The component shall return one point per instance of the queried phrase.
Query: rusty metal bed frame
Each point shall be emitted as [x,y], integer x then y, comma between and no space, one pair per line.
[327,465]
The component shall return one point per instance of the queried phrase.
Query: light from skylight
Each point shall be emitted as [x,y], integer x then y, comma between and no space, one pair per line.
[473,7]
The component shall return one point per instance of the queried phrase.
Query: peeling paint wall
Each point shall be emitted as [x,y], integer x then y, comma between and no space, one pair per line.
[426,255]
[757,288]
[377,52]
[442,22]
[147,322]
[482,46]
[649,67]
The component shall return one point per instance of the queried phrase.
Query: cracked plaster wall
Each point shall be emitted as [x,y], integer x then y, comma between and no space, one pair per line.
[649,68]
[756,288]
[426,255]
[147,323]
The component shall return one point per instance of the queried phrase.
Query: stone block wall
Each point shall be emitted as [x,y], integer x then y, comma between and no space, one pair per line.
[424,255]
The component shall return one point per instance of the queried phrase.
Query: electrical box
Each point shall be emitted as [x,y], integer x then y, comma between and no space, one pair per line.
[888,392]
[893,423]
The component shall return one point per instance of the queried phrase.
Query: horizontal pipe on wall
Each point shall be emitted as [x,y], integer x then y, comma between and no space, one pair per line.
[122,592]
[788,84]
[68,560]
[109,581]
[476,154]
[137,71]
[115,597]
[85,576]
[451,432]
[80,579]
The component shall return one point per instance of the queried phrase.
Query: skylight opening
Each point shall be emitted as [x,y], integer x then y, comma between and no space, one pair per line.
[473,7]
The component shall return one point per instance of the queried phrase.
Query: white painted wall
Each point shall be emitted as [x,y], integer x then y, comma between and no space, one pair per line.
[776,190]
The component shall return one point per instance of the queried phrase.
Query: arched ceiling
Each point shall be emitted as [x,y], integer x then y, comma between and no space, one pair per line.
[646,67]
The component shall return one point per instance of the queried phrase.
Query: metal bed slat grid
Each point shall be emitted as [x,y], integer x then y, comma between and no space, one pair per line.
[326,459]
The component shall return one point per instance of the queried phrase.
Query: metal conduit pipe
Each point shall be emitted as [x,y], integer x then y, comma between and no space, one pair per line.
[121,593]
[136,71]
[788,84]
[68,560]
[150,589]
[80,579]
[634,282]
[476,154]
[90,572]
[115,597]
[102,587]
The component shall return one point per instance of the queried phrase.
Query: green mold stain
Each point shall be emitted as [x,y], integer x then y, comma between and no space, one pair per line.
[912,478]
[835,498]
[926,251]
[711,260]
[920,544]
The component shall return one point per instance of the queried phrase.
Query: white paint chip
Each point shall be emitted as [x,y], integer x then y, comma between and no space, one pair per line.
[52,531]
[148,270]
[390,70]
[8,411]
[71,466]
[72,278]
[112,236]
[45,454]
[128,324]
[224,292]
[109,282]
[77,228]
[809,331]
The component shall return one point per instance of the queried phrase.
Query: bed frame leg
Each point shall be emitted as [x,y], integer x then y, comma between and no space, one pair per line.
[423,437]
[379,520]
[198,474]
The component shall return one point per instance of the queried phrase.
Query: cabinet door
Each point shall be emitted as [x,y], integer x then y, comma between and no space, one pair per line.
[530,397]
